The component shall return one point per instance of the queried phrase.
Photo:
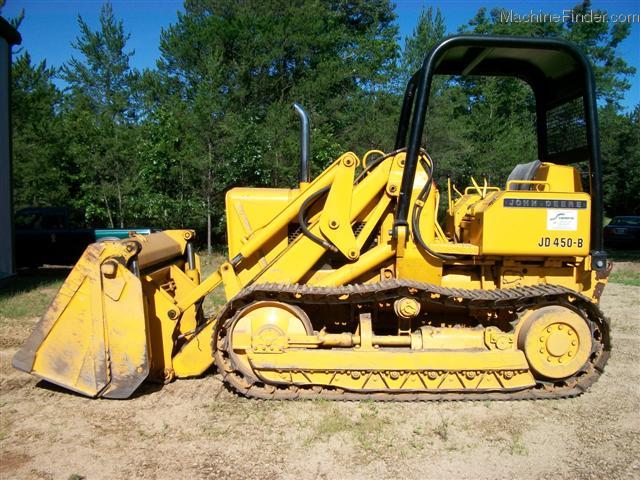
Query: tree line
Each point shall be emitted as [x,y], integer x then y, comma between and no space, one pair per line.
[160,147]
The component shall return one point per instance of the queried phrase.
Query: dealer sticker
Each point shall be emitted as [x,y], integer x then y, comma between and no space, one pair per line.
[562,219]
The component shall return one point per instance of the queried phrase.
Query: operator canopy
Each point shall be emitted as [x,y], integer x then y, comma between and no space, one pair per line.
[563,85]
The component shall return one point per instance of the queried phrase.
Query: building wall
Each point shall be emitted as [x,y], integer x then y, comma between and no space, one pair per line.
[6,224]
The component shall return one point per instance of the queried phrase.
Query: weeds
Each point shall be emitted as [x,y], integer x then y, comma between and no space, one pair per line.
[517,446]
[332,423]
[366,430]
[442,430]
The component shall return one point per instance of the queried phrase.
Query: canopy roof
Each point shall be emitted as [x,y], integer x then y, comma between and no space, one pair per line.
[555,69]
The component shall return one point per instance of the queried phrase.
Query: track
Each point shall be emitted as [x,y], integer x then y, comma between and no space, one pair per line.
[372,294]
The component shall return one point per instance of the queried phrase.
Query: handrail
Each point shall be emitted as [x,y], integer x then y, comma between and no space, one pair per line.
[530,182]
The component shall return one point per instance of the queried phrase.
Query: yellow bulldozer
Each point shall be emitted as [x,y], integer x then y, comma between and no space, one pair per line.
[349,287]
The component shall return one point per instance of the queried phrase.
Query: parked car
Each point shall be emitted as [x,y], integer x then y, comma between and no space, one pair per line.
[46,236]
[623,232]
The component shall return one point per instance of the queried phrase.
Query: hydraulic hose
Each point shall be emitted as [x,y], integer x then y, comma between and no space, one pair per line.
[417,210]
[302,220]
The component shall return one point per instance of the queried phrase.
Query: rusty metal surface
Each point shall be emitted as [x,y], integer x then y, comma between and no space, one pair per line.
[372,294]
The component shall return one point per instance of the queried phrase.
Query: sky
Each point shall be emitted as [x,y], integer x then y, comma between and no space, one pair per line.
[50,26]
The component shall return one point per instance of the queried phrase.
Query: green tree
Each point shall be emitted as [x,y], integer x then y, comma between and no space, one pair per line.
[427,33]
[39,162]
[620,143]
[99,119]
[237,67]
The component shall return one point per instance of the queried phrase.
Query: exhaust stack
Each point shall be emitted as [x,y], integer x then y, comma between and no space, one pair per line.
[305,143]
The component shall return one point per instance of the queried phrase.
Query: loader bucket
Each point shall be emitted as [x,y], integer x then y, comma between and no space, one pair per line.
[97,337]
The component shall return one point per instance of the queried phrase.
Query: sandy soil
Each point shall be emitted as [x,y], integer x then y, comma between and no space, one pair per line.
[197,429]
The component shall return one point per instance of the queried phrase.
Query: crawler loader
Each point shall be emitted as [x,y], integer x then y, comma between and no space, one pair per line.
[349,287]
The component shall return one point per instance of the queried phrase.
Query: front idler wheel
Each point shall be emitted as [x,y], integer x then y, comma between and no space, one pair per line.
[556,340]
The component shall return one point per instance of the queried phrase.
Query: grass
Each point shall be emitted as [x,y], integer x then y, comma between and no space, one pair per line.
[366,428]
[626,267]
[208,265]
[29,293]
[625,277]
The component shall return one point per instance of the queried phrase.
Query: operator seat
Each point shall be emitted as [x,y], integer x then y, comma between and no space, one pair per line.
[525,172]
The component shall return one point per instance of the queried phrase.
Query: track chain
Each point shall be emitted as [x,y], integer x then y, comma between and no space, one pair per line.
[370,294]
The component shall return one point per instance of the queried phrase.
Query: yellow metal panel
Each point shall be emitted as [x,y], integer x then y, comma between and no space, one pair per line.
[196,356]
[126,333]
[416,265]
[162,246]
[560,178]
[532,223]
[250,209]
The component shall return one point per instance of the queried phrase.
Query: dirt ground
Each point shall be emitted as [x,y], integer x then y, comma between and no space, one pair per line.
[197,429]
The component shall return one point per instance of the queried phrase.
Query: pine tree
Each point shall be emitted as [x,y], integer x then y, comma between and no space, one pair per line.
[100,117]
[39,161]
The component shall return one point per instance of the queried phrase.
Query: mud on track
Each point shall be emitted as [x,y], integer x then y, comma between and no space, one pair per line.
[197,429]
